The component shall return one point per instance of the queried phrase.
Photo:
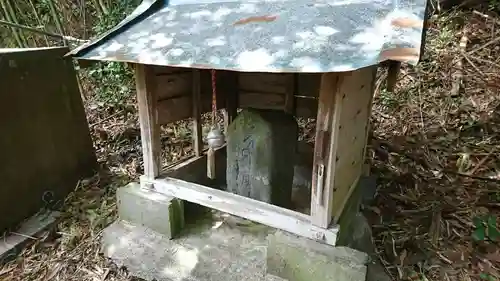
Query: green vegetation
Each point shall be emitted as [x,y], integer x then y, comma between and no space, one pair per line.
[108,83]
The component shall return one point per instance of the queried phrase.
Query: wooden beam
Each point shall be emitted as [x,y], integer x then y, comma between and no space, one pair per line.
[244,207]
[321,210]
[148,119]
[197,135]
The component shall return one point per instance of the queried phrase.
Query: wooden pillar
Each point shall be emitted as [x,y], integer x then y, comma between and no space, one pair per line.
[231,94]
[148,118]
[344,108]
[321,213]
[196,94]
[291,90]
[393,69]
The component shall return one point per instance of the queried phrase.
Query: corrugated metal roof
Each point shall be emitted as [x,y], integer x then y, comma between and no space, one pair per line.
[265,36]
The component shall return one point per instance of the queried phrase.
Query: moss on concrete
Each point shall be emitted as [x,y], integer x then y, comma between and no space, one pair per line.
[299,259]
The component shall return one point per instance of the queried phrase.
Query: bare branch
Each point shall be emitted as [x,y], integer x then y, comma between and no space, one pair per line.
[36,30]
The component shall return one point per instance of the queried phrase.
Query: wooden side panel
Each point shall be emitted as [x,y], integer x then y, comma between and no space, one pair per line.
[175,87]
[262,100]
[263,82]
[342,122]
[45,143]
[273,91]
[256,90]
[354,119]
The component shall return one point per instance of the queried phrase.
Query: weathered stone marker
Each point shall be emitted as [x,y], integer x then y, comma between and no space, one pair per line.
[261,150]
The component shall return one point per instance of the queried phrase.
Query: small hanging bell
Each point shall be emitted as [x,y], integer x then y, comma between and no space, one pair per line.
[215,138]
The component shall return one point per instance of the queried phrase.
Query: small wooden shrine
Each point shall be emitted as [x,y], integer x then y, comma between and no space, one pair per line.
[190,59]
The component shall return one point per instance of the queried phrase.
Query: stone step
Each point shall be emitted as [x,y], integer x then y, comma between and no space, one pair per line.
[219,252]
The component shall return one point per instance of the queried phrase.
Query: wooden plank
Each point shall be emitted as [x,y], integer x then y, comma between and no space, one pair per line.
[194,169]
[160,70]
[179,108]
[326,125]
[244,207]
[261,100]
[307,83]
[354,120]
[197,135]
[174,85]
[148,119]
[263,82]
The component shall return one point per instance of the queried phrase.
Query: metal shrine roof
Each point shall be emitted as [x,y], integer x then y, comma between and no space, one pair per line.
[265,35]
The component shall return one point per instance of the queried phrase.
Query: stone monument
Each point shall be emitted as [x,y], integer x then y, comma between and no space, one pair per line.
[261,151]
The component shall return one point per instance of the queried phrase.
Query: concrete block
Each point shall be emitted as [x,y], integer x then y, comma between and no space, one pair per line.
[151,209]
[13,243]
[300,259]
[355,232]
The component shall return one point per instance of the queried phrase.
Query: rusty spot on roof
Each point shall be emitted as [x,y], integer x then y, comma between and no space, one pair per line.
[256,19]
[407,23]
[400,54]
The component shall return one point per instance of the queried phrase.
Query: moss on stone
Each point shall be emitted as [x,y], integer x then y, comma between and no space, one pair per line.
[268,161]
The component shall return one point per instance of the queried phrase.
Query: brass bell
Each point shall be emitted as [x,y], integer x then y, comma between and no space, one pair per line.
[215,138]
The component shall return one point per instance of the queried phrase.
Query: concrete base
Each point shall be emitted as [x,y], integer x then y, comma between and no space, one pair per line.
[222,253]
[148,208]
[227,248]
[223,247]
[14,242]
[297,259]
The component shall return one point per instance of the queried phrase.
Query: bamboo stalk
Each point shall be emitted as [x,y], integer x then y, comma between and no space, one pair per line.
[39,20]
[103,7]
[27,28]
[14,31]
[13,17]
[98,9]
[25,16]
[57,20]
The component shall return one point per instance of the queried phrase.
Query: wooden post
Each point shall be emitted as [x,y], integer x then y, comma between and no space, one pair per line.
[291,90]
[196,95]
[230,90]
[148,118]
[393,69]
[320,208]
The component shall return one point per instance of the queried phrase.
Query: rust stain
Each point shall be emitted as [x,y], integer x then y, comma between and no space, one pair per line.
[407,23]
[400,54]
[256,19]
